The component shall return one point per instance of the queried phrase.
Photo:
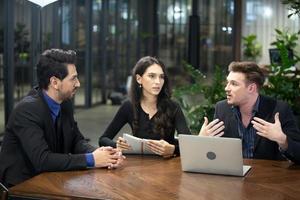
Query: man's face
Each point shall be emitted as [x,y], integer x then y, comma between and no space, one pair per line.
[68,86]
[237,90]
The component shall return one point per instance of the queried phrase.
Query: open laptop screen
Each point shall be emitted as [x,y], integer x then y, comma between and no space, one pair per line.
[214,155]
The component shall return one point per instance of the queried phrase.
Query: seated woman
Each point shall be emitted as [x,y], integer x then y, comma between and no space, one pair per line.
[150,112]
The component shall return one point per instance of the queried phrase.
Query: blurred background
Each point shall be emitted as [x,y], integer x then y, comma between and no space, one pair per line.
[109,37]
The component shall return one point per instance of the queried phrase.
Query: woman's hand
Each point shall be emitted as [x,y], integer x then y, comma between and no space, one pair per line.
[161,147]
[122,144]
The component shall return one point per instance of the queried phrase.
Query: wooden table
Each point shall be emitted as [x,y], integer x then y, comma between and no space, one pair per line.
[150,177]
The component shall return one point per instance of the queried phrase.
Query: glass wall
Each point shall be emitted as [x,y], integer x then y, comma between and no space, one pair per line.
[173,34]
[22,49]
[215,33]
[96,90]
[2,121]
[121,46]
[121,35]
[79,26]
[66,24]
[216,38]
[125,30]
[114,47]
[112,77]
[122,32]
[52,25]
[19,74]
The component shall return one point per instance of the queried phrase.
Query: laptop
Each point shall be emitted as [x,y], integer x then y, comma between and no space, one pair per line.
[212,155]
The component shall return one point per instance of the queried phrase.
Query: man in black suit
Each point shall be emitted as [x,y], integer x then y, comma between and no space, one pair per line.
[266,126]
[42,135]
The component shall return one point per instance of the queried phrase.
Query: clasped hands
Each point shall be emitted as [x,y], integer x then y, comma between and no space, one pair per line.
[108,157]
[159,147]
[271,131]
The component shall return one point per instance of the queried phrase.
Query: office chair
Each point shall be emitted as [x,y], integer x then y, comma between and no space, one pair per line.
[3,192]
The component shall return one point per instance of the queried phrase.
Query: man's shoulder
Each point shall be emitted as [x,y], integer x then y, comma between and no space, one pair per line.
[30,107]
[223,107]
[32,101]
[223,103]
[272,103]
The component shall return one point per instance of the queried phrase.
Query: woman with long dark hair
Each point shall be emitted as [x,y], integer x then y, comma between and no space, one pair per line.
[150,112]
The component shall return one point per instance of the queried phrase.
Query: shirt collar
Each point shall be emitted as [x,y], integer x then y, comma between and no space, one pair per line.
[53,105]
[255,107]
[236,109]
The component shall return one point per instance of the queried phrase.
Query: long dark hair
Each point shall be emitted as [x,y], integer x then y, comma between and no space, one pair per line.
[162,120]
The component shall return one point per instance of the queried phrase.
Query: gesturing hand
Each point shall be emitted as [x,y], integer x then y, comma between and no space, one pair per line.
[108,157]
[272,131]
[214,128]
[161,147]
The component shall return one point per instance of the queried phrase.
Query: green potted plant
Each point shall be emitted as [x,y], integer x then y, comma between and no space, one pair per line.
[251,48]
[198,98]
[293,6]
[284,76]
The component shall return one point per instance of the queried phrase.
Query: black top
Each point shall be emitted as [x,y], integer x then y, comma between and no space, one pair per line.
[125,115]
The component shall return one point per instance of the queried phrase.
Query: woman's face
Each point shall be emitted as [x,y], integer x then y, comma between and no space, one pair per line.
[152,80]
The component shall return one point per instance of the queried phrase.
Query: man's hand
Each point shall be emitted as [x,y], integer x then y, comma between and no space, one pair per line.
[214,128]
[119,161]
[161,147]
[272,131]
[108,157]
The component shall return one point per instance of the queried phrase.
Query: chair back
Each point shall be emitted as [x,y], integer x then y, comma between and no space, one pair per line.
[3,192]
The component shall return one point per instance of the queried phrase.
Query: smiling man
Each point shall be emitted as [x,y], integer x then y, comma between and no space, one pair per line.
[42,135]
[266,126]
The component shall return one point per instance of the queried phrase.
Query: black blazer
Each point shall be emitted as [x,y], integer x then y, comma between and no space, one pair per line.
[263,147]
[30,144]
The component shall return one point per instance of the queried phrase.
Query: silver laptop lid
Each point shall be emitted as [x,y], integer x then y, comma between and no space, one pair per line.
[215,155]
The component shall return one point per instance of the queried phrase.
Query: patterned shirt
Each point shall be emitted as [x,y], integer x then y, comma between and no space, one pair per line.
[247,134]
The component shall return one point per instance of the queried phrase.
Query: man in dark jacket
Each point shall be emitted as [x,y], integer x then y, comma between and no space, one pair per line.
[266,126]
[41,134]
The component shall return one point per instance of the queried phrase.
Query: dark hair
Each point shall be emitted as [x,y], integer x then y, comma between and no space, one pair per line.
[163,116]
[53,62]
[253,73]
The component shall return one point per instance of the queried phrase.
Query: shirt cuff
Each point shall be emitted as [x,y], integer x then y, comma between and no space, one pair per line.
[285,153]
[90,160]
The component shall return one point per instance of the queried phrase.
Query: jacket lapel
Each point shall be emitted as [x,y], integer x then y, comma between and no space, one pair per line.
[49,134]
[234,132]
[265,111]
[229,117]
[66,125]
